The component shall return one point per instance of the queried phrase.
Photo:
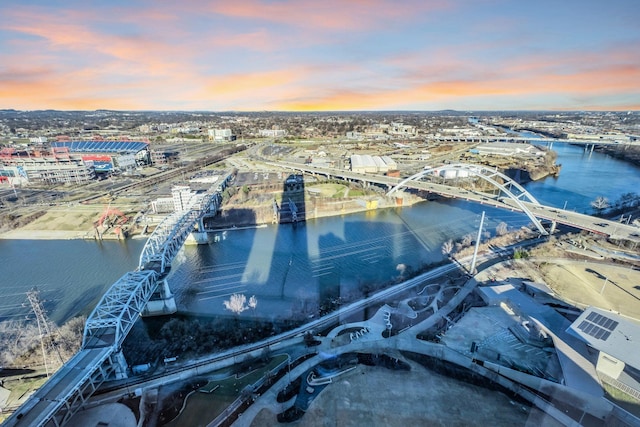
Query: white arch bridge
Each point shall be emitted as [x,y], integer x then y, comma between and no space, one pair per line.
[507,186]
[511,195]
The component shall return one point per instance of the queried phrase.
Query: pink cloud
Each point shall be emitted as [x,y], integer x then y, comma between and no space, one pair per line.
[328,14]
[159,58]
[258,40]
[36,89]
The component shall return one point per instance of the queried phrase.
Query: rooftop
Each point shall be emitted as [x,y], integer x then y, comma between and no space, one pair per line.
[609,332]
[101,146]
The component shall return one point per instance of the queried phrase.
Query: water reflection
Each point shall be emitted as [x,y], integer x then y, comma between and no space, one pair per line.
[299,271]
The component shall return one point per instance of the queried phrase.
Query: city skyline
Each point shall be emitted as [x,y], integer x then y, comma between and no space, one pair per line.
[312,56]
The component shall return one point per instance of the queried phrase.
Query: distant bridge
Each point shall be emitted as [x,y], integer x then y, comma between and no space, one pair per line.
[511,195]
[100,357]
[520,139]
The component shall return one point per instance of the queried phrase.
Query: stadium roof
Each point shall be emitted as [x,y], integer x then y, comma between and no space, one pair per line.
[101,146]
[609,332]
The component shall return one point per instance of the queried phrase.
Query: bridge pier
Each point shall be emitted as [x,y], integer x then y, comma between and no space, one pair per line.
[276,213]
[119,365]
[198,236]
[161,302]
[552,229]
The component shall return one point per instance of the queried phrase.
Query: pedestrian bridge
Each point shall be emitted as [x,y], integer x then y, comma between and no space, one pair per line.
[100,356]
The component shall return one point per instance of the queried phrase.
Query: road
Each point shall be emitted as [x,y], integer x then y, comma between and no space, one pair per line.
[605,227]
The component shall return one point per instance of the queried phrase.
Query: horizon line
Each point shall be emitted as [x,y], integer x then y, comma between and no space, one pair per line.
[328,111]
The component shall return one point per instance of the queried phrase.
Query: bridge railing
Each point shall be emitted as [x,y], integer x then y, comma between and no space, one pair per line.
[169,236]
[114,316]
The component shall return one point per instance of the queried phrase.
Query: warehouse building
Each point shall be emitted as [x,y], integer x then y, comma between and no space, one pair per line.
[365,163]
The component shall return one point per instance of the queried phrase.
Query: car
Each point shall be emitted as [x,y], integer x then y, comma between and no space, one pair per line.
[601,224]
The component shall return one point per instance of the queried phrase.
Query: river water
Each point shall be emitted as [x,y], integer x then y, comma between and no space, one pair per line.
[583,177]
[291,269]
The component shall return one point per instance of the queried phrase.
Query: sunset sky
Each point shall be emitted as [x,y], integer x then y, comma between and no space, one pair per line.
[320,54]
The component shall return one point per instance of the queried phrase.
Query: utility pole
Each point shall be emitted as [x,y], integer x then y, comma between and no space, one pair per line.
[44,329]
[475,250]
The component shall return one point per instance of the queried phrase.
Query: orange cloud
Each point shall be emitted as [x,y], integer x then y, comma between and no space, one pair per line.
[328,14]
[606,81]
[45,89]
[250,82]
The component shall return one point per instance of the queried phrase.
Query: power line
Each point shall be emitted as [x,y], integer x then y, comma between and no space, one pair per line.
[48,332]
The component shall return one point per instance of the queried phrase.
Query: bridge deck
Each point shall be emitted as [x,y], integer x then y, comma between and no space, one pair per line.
[60,389]
[109,323]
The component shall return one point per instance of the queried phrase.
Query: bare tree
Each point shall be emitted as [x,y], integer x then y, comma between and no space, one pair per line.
[501,229]
[253,302]
[600,203]
[467,239]
[236,303]
[447,247]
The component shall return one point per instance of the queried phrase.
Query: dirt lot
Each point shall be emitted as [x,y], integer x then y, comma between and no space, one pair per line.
[605,286]
[72,222]
[581,283]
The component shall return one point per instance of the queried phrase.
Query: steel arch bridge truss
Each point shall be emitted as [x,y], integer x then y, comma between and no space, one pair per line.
[56,401]
[168,237]
[498,180]
[119,308]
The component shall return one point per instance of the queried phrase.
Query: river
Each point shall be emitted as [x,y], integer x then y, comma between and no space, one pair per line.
[291,269]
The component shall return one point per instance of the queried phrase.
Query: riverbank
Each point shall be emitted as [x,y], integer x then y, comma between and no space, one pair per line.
[232,216]
[628,153]
[72,223]
[28,234]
